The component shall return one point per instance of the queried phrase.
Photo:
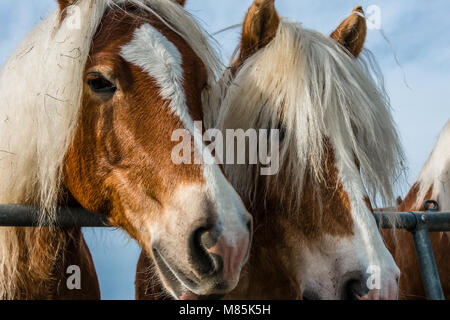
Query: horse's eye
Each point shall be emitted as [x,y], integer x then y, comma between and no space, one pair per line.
[99,84]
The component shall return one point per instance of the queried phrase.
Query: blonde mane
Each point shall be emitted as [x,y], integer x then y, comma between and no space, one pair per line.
[309,86]
[436,173]
[40,99]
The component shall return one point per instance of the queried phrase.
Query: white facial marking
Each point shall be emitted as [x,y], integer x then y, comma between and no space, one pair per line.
[155,54]
[362,252]
[367,239]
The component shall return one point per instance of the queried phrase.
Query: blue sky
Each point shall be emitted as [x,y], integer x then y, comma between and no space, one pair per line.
[417,29]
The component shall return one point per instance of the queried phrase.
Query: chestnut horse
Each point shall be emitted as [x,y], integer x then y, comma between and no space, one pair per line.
[433,184]
[315,235]
[89,103]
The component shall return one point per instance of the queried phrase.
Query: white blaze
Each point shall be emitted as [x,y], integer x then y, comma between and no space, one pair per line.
[155,54]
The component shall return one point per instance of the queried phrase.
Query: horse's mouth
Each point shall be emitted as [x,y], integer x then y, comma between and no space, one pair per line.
[181,286]
[310,295]
[351,290]
[174,278]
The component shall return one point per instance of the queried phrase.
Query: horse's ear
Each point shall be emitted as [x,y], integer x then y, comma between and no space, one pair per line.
[260,27]
[63,4]
[352,32]
[181,2]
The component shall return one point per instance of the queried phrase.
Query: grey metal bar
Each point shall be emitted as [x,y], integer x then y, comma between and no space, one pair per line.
[420,224]
[396,220]
[427,264]
[436,221]
[27,216]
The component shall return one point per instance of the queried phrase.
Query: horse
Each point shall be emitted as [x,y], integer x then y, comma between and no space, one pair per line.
[89,104]
[433,183]
[315,235]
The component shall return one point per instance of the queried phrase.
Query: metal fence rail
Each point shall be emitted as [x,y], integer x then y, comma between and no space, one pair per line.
[27,216]
[418,223]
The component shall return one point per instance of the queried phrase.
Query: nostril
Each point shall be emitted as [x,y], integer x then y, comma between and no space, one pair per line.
[352,290]
[203,239]
[208,237]
[249,221]
[250,226]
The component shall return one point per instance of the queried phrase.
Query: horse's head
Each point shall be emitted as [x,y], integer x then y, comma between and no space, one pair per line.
[142,82]
[338,147]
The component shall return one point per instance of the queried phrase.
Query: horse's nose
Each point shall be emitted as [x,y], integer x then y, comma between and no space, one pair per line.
[219,254]
[361,288]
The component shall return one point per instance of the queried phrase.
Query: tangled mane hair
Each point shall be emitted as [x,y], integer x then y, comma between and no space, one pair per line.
[435,175]
[40,99]
[314,90]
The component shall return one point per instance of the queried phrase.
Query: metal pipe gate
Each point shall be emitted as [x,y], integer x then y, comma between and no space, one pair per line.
[27,216]
[418,223]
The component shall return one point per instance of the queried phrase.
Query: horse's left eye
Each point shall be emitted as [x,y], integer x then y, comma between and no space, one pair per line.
[100,84]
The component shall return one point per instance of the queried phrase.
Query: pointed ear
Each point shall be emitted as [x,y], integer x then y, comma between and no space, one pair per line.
[260,27]
[181,2]
[63,4]
[352,32]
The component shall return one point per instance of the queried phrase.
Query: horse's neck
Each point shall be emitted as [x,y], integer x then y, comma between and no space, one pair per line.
[77,254]
[268,274]
[35,264]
